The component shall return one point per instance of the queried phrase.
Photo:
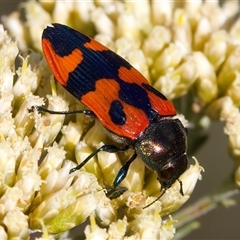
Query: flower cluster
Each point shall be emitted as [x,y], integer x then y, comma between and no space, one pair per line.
[183,48]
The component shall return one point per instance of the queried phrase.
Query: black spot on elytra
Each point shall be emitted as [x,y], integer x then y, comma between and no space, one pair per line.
[116,112]
[153,90]
[135,95]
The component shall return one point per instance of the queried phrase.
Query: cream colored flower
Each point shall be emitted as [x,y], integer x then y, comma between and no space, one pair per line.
[237,176]
[172,199]
[182,48]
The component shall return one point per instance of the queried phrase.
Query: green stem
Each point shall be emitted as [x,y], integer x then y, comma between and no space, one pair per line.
[203,206]
[185,230]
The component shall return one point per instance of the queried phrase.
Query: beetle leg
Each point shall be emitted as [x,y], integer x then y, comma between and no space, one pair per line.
[42,109]
[117,191]
[106,148]
[123,171]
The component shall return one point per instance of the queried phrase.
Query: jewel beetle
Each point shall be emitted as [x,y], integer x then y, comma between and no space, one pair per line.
[132,111]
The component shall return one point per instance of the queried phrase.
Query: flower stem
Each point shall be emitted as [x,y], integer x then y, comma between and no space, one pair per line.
[203,206]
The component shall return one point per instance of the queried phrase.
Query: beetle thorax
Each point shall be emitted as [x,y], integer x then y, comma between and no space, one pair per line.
[163,149]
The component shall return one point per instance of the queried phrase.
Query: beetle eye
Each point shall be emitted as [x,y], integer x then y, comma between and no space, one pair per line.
[166,174]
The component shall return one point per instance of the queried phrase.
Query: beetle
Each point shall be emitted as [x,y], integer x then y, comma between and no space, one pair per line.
[133,112]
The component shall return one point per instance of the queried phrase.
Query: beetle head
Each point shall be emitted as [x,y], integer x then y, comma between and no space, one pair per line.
[162,147]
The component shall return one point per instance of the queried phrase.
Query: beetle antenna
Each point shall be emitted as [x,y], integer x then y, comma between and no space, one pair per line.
[164,190]
[181,187]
